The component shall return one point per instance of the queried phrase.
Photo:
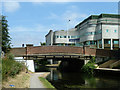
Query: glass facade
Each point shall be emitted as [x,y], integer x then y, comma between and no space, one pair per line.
[116,42]
[68,36]
[90,43]
[107,41]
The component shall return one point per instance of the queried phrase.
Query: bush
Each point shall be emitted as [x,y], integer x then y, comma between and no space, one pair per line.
[10,67]
[90,66]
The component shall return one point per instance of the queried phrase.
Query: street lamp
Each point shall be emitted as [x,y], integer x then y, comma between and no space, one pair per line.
[67,31]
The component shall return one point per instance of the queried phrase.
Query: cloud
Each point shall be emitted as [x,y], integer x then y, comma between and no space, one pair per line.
[11,6]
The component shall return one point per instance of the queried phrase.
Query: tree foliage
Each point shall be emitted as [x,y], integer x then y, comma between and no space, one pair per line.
[5,35]
[42,44]
[90,66]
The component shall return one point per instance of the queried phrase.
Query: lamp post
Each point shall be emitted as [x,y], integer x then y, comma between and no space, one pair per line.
[67,31]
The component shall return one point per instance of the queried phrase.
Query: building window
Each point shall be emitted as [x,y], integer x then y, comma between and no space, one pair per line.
[57,36]
[93,33]
[92,43]
[107,30]
[75,36]
[88,33]
[61,36]
[116,42]
[72,36]
[64,36]
[107,41]
[68,36]
[100,41]
[115,31]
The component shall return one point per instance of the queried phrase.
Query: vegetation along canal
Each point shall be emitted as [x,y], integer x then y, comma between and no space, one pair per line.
[62,80]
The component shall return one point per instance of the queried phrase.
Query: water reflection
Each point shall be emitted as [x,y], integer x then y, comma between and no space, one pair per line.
[63,80]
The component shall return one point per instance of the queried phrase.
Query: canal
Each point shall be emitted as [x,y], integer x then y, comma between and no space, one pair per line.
[65,80]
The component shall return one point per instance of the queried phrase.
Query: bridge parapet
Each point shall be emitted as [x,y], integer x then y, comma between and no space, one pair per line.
[18,51]
[64,50]
[89,51]
[54,49]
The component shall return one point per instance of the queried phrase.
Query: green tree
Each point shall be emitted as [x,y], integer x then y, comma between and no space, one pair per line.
[42,44]
[5,35]
[90,66]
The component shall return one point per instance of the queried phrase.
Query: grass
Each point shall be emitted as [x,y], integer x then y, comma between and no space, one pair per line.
[46,83]
[21,80]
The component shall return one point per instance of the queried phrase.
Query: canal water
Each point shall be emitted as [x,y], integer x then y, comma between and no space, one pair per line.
[66,80]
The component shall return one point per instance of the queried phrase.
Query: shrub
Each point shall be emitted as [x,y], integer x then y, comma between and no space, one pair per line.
[90,66]
[10,67]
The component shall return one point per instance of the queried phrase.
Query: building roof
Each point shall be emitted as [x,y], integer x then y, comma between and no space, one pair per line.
[99,16]
[49,33]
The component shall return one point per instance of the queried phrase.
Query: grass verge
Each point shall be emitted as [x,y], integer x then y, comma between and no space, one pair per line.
[46,83]
[21,80]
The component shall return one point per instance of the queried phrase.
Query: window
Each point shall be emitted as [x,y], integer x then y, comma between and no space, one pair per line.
[87,43]
[93,33]
[107,30]
[116,42]
[61,36]
[75,36]
[115,31]
[100,42]
[64,36]
[57,36]
[88,33]
[68,36]
[92,43]
[107,41]
[72,36]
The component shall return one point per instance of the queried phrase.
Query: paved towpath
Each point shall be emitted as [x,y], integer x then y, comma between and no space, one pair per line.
[35,82]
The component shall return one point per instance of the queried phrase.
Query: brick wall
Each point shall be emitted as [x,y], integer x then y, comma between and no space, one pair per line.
[65,49]
[18,51]
[54,49]
[89,51]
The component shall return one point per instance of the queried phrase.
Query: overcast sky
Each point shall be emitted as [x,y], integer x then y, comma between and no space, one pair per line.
[29,22]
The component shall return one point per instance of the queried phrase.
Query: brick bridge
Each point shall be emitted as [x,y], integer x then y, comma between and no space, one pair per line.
[50,52]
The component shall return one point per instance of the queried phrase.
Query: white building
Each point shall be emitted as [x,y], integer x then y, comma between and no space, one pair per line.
[100,31]
[62,37]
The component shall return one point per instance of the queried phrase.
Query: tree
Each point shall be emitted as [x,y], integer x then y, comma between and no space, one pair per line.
[42,44]
[5,35]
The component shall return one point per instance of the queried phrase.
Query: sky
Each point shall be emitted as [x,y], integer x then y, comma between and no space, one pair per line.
[29,22]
